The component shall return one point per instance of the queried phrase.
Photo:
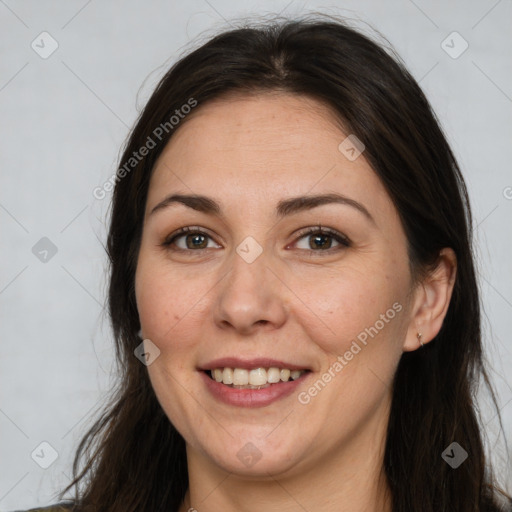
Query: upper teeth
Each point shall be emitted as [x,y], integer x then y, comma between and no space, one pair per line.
[255,377]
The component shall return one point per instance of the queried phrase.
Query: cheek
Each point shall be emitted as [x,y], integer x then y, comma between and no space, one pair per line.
[357,322]
[172,304]
[168,302]
[337,308]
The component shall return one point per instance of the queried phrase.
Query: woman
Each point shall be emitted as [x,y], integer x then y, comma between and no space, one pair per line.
[292,291]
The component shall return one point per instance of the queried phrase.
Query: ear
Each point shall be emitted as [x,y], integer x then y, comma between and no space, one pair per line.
[431,300]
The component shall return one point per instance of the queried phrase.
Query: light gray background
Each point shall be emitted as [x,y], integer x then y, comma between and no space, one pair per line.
[63,120]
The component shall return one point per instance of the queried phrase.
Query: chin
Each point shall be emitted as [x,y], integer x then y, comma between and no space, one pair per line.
[256,455]
[255,463]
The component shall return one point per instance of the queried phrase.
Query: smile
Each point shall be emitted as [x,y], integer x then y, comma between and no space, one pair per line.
[257,378]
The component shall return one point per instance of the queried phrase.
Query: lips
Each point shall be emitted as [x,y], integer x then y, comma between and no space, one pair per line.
[252,383]
[250,364]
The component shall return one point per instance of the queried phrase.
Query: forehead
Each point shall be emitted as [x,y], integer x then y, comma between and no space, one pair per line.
[254,124]
[260,148]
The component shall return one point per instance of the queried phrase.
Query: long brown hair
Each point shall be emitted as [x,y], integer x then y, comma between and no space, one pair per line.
[133,459]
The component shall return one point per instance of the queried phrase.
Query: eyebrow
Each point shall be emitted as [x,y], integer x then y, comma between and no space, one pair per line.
[285,207]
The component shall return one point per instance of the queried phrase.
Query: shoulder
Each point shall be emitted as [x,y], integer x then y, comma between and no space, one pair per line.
[59,507]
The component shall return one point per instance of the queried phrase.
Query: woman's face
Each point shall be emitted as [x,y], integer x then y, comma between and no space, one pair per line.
[261,287]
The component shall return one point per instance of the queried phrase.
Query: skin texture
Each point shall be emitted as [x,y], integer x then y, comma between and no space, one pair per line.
[301,306]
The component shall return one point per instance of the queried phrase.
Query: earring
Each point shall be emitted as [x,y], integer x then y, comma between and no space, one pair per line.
[419,335]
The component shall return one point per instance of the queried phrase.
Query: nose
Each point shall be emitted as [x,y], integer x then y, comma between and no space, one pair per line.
[250,295]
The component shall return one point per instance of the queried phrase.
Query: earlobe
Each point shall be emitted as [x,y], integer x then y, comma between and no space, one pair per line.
[432,299]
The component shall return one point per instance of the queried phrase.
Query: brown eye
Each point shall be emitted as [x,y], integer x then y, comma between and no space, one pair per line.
[318,240]
[322,239]
[196,241]
[188,239]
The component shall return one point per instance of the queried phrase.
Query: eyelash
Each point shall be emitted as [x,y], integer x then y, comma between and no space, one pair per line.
[316,230]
